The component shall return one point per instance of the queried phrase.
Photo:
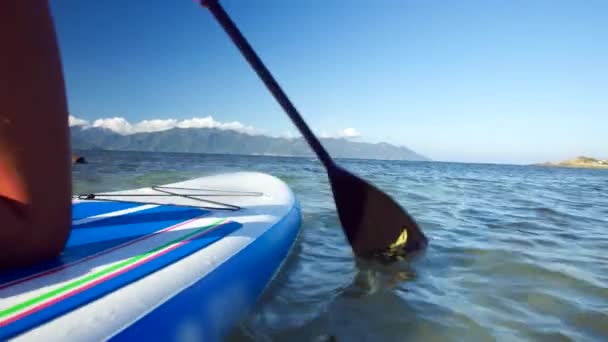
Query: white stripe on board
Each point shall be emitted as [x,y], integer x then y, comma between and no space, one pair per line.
[113,213]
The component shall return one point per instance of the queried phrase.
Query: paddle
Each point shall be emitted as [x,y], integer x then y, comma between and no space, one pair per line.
[374,224]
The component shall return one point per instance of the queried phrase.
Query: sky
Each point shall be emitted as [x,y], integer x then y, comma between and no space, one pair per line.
[492,81]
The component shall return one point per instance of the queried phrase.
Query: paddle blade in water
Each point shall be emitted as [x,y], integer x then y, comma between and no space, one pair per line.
[374,223]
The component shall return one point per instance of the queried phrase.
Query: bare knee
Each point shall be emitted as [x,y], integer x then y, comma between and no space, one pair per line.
[25,240]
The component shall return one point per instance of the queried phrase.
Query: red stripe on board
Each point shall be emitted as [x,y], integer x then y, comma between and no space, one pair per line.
[100,280]
[98,254]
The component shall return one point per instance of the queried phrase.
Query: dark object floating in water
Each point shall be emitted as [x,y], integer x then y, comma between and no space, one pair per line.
[78,160]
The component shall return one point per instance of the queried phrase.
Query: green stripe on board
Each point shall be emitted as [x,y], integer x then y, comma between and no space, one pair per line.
[99,274]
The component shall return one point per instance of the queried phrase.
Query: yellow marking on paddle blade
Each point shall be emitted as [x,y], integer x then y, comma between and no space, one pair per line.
[401,240]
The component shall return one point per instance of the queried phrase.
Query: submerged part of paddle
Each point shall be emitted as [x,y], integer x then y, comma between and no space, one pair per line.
[375,225]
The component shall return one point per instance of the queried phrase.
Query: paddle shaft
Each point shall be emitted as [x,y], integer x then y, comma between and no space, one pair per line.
[247,51]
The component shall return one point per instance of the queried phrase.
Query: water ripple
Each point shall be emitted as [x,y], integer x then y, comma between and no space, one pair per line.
[516,252]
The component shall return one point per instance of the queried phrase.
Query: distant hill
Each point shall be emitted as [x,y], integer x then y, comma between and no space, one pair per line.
[581,162]
[210,140]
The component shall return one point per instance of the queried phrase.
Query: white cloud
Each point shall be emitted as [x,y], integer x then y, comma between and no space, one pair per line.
[122,126]
[347,133]
[209,122]
[116,124]
[155,125]
[74,121]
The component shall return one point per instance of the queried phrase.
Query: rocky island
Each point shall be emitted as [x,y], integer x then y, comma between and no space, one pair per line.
[581,162]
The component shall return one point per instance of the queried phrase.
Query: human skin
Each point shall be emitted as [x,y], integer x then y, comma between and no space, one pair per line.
[35,165]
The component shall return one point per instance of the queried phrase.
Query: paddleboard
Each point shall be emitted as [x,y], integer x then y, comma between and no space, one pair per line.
[177,262]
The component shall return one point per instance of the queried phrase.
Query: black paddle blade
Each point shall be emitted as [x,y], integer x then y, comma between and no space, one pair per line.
[374,223]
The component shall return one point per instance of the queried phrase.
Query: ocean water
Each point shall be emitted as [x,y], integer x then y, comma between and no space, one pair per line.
[516,252]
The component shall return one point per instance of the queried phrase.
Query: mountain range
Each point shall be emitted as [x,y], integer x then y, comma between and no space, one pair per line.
[211,140]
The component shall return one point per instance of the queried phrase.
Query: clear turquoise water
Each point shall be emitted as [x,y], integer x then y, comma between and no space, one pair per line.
[516,252]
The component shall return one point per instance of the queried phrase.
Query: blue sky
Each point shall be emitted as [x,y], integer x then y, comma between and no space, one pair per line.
[474,81]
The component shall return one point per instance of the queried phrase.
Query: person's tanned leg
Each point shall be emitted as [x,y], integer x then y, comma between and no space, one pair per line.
[35,169]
